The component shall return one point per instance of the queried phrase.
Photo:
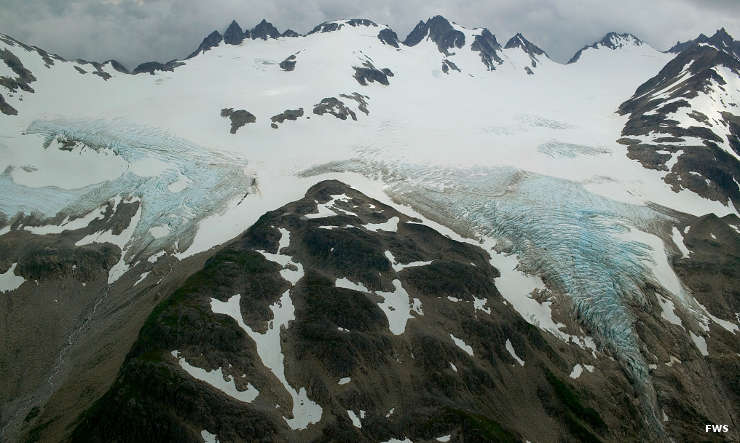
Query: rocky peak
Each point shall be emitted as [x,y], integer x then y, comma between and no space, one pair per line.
[233,34]
[338,24]
[440,31]
[615,40]
[518,41]
[264,30]
[721,40]
[611,40]
[213,39]
[289,33]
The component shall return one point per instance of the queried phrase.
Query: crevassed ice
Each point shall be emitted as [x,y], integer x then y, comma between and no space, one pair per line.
[169,218]
[558,229]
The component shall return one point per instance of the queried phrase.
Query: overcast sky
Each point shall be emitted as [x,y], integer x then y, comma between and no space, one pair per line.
[133,31]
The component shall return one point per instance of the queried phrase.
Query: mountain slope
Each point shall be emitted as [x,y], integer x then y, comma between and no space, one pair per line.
[393,329]
[685,120]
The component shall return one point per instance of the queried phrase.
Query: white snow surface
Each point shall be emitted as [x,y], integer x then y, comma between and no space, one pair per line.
[9,281]
[269,348]
[512,352]
[217,379]
[355,419]
[208,437]
[700,342]
[462,345]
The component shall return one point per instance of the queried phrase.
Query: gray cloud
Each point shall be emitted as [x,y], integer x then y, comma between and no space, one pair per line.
[134,31]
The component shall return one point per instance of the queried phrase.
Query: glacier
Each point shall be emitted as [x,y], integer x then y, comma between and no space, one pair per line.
[189,182]
[559,230]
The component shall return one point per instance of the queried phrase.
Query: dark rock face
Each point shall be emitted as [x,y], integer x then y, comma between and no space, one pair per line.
[97,66]
[238,118]
[360,99]
[212,40]
[288,64]
[388,37]
[264,30]
[24,76]
[361,22]
[414,383]
[610,41]
[440,31]
[151,67]
[704,168]
[721,39]
[234,34]
[289,33]
[288,114]
[335,107]
[447,65]
[117,66]
[369,73]
[518,41]
[5,108]
[486,44]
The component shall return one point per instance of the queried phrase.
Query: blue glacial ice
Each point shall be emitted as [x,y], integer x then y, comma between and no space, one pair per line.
[558,229]
[204,181]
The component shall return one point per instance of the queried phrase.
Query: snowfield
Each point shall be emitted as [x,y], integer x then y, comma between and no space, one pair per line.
[521,157]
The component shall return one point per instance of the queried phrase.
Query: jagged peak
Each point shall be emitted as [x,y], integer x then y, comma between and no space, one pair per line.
[234,34]
[264,30]
[612,40]
[721,40]
[439,30]
[519,41]
[213,39]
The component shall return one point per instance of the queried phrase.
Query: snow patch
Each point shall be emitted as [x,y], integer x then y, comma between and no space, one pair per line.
[9,281]
[512,352]
[462,345]
[269,348]
[217,379]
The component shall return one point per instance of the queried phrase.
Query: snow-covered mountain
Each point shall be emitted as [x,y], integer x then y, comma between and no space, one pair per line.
[686,120]
[512,243]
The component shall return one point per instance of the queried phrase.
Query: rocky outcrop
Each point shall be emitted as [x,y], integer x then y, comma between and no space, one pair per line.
[239,118]
[388,37]
[486,44]
[447,65]
[335,107]
[23,78]
[5,108]
[288,64]
[368,73]
[288,114]
[152,67]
